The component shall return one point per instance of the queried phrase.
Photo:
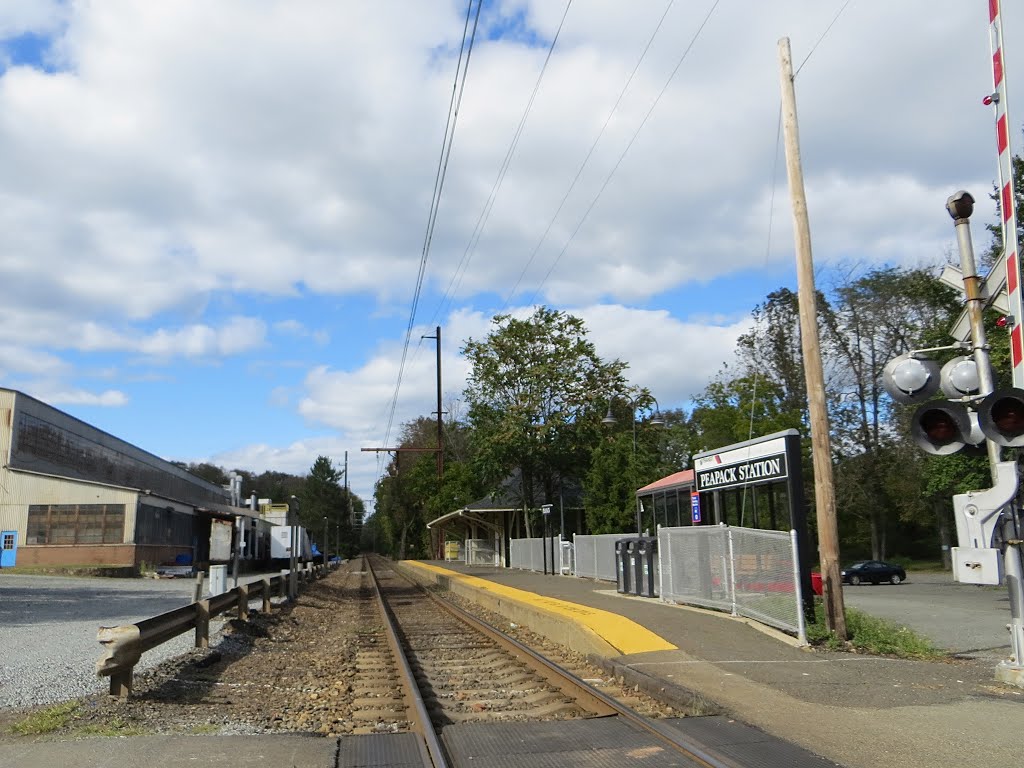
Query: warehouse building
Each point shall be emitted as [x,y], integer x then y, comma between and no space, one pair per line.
[71,494]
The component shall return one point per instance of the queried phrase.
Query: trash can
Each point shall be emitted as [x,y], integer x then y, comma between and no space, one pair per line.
[622,566]
[647,549]
[634,564]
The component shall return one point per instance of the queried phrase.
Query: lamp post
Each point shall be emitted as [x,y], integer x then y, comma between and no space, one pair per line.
[656,421]
[326,547]
[293,581]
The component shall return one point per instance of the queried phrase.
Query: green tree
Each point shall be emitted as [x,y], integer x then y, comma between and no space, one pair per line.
[323,504]
[876,316]
[534,391]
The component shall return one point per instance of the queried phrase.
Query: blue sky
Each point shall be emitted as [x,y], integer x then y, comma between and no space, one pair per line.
[212,214]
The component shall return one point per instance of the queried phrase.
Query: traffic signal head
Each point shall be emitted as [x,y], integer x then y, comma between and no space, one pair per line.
[941,428]
[910,379]
[1001,416]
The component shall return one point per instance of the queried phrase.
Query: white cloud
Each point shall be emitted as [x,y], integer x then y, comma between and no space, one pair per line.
[192,161]
[110,398]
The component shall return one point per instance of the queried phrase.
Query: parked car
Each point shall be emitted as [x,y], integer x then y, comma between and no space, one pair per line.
[874,571]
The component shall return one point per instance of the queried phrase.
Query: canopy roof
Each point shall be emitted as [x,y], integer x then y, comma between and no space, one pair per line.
[675,481]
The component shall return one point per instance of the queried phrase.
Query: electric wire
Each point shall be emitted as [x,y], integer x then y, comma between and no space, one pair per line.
[485,212]
[586,160]
[822,37]
[625,151]
[458,89]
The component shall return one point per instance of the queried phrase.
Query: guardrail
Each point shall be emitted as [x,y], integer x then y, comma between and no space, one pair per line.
[124,645]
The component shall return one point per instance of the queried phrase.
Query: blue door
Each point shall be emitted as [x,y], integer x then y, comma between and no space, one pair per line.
[8,548]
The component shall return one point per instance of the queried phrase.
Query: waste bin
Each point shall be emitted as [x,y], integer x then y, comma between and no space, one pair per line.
[634,564]
[622,566]
[647,550]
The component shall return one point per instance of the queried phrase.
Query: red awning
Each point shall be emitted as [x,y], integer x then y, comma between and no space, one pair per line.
[677,480]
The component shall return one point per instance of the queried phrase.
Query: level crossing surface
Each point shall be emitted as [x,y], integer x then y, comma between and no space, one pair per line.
[852,709]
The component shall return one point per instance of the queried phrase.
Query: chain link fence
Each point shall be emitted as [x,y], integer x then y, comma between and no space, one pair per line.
[481,552]
[595,555]
[530,554]
[745,571]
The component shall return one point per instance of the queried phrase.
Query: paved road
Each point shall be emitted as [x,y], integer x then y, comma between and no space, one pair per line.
[964,618]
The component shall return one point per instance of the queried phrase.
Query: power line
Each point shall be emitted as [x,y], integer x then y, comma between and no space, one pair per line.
[822,37]
[622,156]
[586,159]
[458,89]
[485,212]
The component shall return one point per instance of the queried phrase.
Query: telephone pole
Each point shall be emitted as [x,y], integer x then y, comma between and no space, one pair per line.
[821,451]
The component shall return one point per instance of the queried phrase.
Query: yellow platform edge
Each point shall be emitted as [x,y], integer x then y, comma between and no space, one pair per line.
[622,634]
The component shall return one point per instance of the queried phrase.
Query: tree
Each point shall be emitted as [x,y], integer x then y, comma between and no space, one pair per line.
[535,390]
[323,497]
[876,316]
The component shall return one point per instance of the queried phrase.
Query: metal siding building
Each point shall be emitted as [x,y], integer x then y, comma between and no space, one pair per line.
[73,494]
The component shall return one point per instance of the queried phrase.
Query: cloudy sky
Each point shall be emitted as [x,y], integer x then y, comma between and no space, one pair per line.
[213,213]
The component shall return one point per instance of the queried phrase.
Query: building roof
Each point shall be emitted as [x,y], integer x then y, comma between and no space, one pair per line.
[676,480]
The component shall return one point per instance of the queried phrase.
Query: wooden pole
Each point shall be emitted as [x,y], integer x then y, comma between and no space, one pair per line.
[821,451]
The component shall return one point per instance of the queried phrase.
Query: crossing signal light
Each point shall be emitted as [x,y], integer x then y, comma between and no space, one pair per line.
[1001,416]
[959,377]
[941,428]
[909,379]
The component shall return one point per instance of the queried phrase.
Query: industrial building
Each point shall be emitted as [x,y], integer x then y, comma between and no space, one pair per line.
[71,494]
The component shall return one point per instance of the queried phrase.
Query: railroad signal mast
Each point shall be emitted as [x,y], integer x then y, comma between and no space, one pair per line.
[989,521]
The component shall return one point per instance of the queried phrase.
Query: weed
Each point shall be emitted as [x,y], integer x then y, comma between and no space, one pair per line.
[47,720]
[869,634]
[116,726]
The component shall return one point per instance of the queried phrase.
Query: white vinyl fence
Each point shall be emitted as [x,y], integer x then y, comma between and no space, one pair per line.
[482,552]
[746,571]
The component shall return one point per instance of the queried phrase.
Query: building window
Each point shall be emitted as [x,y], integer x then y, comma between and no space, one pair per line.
[75,524]
[8,541]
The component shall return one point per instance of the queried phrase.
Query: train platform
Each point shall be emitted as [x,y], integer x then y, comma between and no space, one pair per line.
[854,710]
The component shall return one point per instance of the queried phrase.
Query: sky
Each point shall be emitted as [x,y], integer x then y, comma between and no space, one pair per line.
[213,215]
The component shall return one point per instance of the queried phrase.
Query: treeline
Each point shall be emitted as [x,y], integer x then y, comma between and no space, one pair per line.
[330,512]
[548,421]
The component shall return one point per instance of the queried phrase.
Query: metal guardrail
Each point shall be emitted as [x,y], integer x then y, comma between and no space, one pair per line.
[125,644]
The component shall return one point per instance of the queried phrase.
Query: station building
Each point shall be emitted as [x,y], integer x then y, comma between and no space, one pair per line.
[71,494]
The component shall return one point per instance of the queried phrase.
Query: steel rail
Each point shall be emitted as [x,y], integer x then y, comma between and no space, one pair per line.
[585,693]
[421,718]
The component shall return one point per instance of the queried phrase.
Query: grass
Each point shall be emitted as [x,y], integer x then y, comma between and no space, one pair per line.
[872,635]
[47,720]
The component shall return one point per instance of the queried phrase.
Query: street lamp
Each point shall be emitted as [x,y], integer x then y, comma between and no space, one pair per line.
[325,541]
[656,421]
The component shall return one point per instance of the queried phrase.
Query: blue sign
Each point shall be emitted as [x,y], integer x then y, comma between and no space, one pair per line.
[695,507]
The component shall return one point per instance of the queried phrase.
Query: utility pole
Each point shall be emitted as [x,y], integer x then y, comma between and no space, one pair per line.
[821,451]
[440,423]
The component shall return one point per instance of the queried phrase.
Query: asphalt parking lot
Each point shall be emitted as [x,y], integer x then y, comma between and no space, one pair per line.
[966,619]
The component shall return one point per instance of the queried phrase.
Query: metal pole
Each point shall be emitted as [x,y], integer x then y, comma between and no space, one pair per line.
[326,547]
[632,466]
[960,207]
[821,451]
[293,585]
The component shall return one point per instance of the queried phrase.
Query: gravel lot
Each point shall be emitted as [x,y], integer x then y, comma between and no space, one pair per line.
[48,631]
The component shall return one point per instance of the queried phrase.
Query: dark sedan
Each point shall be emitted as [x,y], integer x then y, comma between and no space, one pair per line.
[874,571]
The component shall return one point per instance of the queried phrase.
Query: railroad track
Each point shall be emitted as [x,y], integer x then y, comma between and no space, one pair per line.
[458,670]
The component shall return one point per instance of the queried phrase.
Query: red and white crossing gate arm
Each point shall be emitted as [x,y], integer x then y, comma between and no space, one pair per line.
[1007,200]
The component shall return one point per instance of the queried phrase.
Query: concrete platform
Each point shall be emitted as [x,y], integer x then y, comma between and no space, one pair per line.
[858,711]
